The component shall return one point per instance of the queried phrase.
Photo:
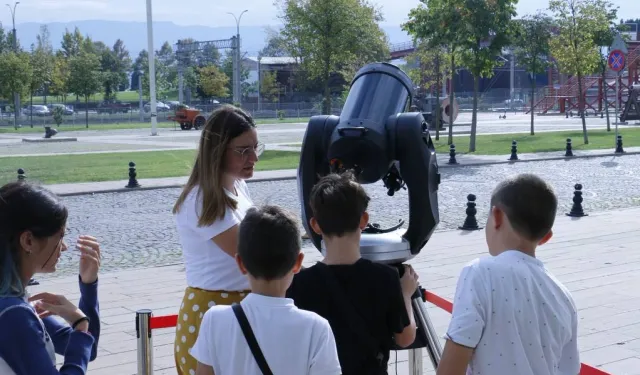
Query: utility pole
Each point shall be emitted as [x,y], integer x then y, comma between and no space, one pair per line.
[16,95]
[512,79]
[259,78]
[152,71]
[237,94]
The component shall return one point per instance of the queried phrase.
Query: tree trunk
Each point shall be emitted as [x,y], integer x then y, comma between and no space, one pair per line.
[437,114]
[451,86]
[605,99]
[581,106]
[474,116]
[533,94]
[327,91]
[86,110]
[31,113]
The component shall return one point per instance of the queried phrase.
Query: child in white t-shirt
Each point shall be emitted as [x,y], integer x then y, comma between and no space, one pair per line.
[510,314]
[292,341]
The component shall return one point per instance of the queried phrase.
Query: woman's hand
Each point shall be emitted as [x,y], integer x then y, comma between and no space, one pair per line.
[47,304]
[89,258]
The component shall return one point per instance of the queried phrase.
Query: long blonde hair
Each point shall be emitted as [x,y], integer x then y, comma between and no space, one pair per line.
[224,124]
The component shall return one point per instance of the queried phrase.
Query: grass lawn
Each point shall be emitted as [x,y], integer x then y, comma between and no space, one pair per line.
[129,125]
[125,96]
[114,166]
[541,142]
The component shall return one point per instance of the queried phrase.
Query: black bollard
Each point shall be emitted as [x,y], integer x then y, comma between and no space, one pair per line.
[576,209]
[569,148]
[470,223]
[452,155]
[133,182]
[566,114]
[21,175]
[619,149]
[514,150]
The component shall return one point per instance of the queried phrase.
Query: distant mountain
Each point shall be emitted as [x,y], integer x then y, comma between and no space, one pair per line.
[134,34]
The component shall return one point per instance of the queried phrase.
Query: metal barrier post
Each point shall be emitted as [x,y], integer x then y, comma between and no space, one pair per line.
[415,362]
[145,343]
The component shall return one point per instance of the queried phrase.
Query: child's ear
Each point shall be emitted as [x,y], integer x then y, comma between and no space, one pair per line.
[298,265]
[364,220]
[497,216]
[240,264]
[315,226]
[546,238]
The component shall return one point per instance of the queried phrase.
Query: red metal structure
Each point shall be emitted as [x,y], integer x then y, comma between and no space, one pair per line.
[565,96]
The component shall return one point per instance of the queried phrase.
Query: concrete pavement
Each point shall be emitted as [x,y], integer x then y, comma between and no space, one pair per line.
[595,257]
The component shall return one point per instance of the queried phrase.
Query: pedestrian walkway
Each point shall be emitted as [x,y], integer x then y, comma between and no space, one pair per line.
[289,174]
[596,257]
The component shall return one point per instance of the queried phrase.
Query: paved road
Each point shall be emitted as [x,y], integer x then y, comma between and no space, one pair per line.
[272,135]
[136,228]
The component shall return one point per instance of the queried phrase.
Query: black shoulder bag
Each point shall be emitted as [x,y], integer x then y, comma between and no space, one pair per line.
[251,339]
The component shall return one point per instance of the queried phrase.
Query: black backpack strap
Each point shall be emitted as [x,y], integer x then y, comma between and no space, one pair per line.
[251,339]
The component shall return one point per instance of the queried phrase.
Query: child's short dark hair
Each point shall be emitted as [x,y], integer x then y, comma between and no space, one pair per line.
[269,242]
[529,203]
[338,202]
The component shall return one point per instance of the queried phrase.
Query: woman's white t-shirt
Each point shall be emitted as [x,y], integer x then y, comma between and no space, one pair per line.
[207,265]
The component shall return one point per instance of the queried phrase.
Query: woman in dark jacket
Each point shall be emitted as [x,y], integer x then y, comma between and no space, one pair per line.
[32,227]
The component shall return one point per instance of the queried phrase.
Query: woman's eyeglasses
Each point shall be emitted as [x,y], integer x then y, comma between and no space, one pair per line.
[244,151]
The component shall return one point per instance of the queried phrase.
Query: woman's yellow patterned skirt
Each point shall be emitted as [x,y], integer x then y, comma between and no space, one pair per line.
[194,304]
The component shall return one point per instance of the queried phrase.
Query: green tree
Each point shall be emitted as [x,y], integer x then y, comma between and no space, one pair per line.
[331,36]
[141,65]
[85,78]
[275,44]
[439,24]
[72,43]
[227,68]
[428,69]
[15,75]
[5,40]
[574,47]
[269,87]
[213,82]
[115,63]
[532,48]
[488,30]
[603,39]
[60,77]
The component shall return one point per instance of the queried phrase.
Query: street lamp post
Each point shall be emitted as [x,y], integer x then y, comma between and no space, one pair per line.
[16,95]
[152,71]
[237,97]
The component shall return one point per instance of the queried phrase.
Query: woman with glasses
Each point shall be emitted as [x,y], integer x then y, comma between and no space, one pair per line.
[207,214]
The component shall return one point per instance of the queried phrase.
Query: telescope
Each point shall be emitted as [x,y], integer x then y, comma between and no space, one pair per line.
[377,139]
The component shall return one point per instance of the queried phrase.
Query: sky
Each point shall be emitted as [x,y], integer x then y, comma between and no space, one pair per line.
[209,13]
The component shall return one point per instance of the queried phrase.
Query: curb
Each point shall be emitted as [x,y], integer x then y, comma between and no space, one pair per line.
[167,186]
[294,175]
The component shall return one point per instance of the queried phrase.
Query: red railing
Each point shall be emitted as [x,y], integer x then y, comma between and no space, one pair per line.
[147,323]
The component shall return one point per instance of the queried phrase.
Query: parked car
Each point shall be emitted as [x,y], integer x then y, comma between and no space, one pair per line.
[36,110]
[160,107]
[113,107]
[66,110]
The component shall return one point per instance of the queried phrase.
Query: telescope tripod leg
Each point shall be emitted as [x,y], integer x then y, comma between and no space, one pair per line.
[430,337]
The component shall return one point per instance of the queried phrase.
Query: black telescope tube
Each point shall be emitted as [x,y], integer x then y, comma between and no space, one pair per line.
[377,92]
